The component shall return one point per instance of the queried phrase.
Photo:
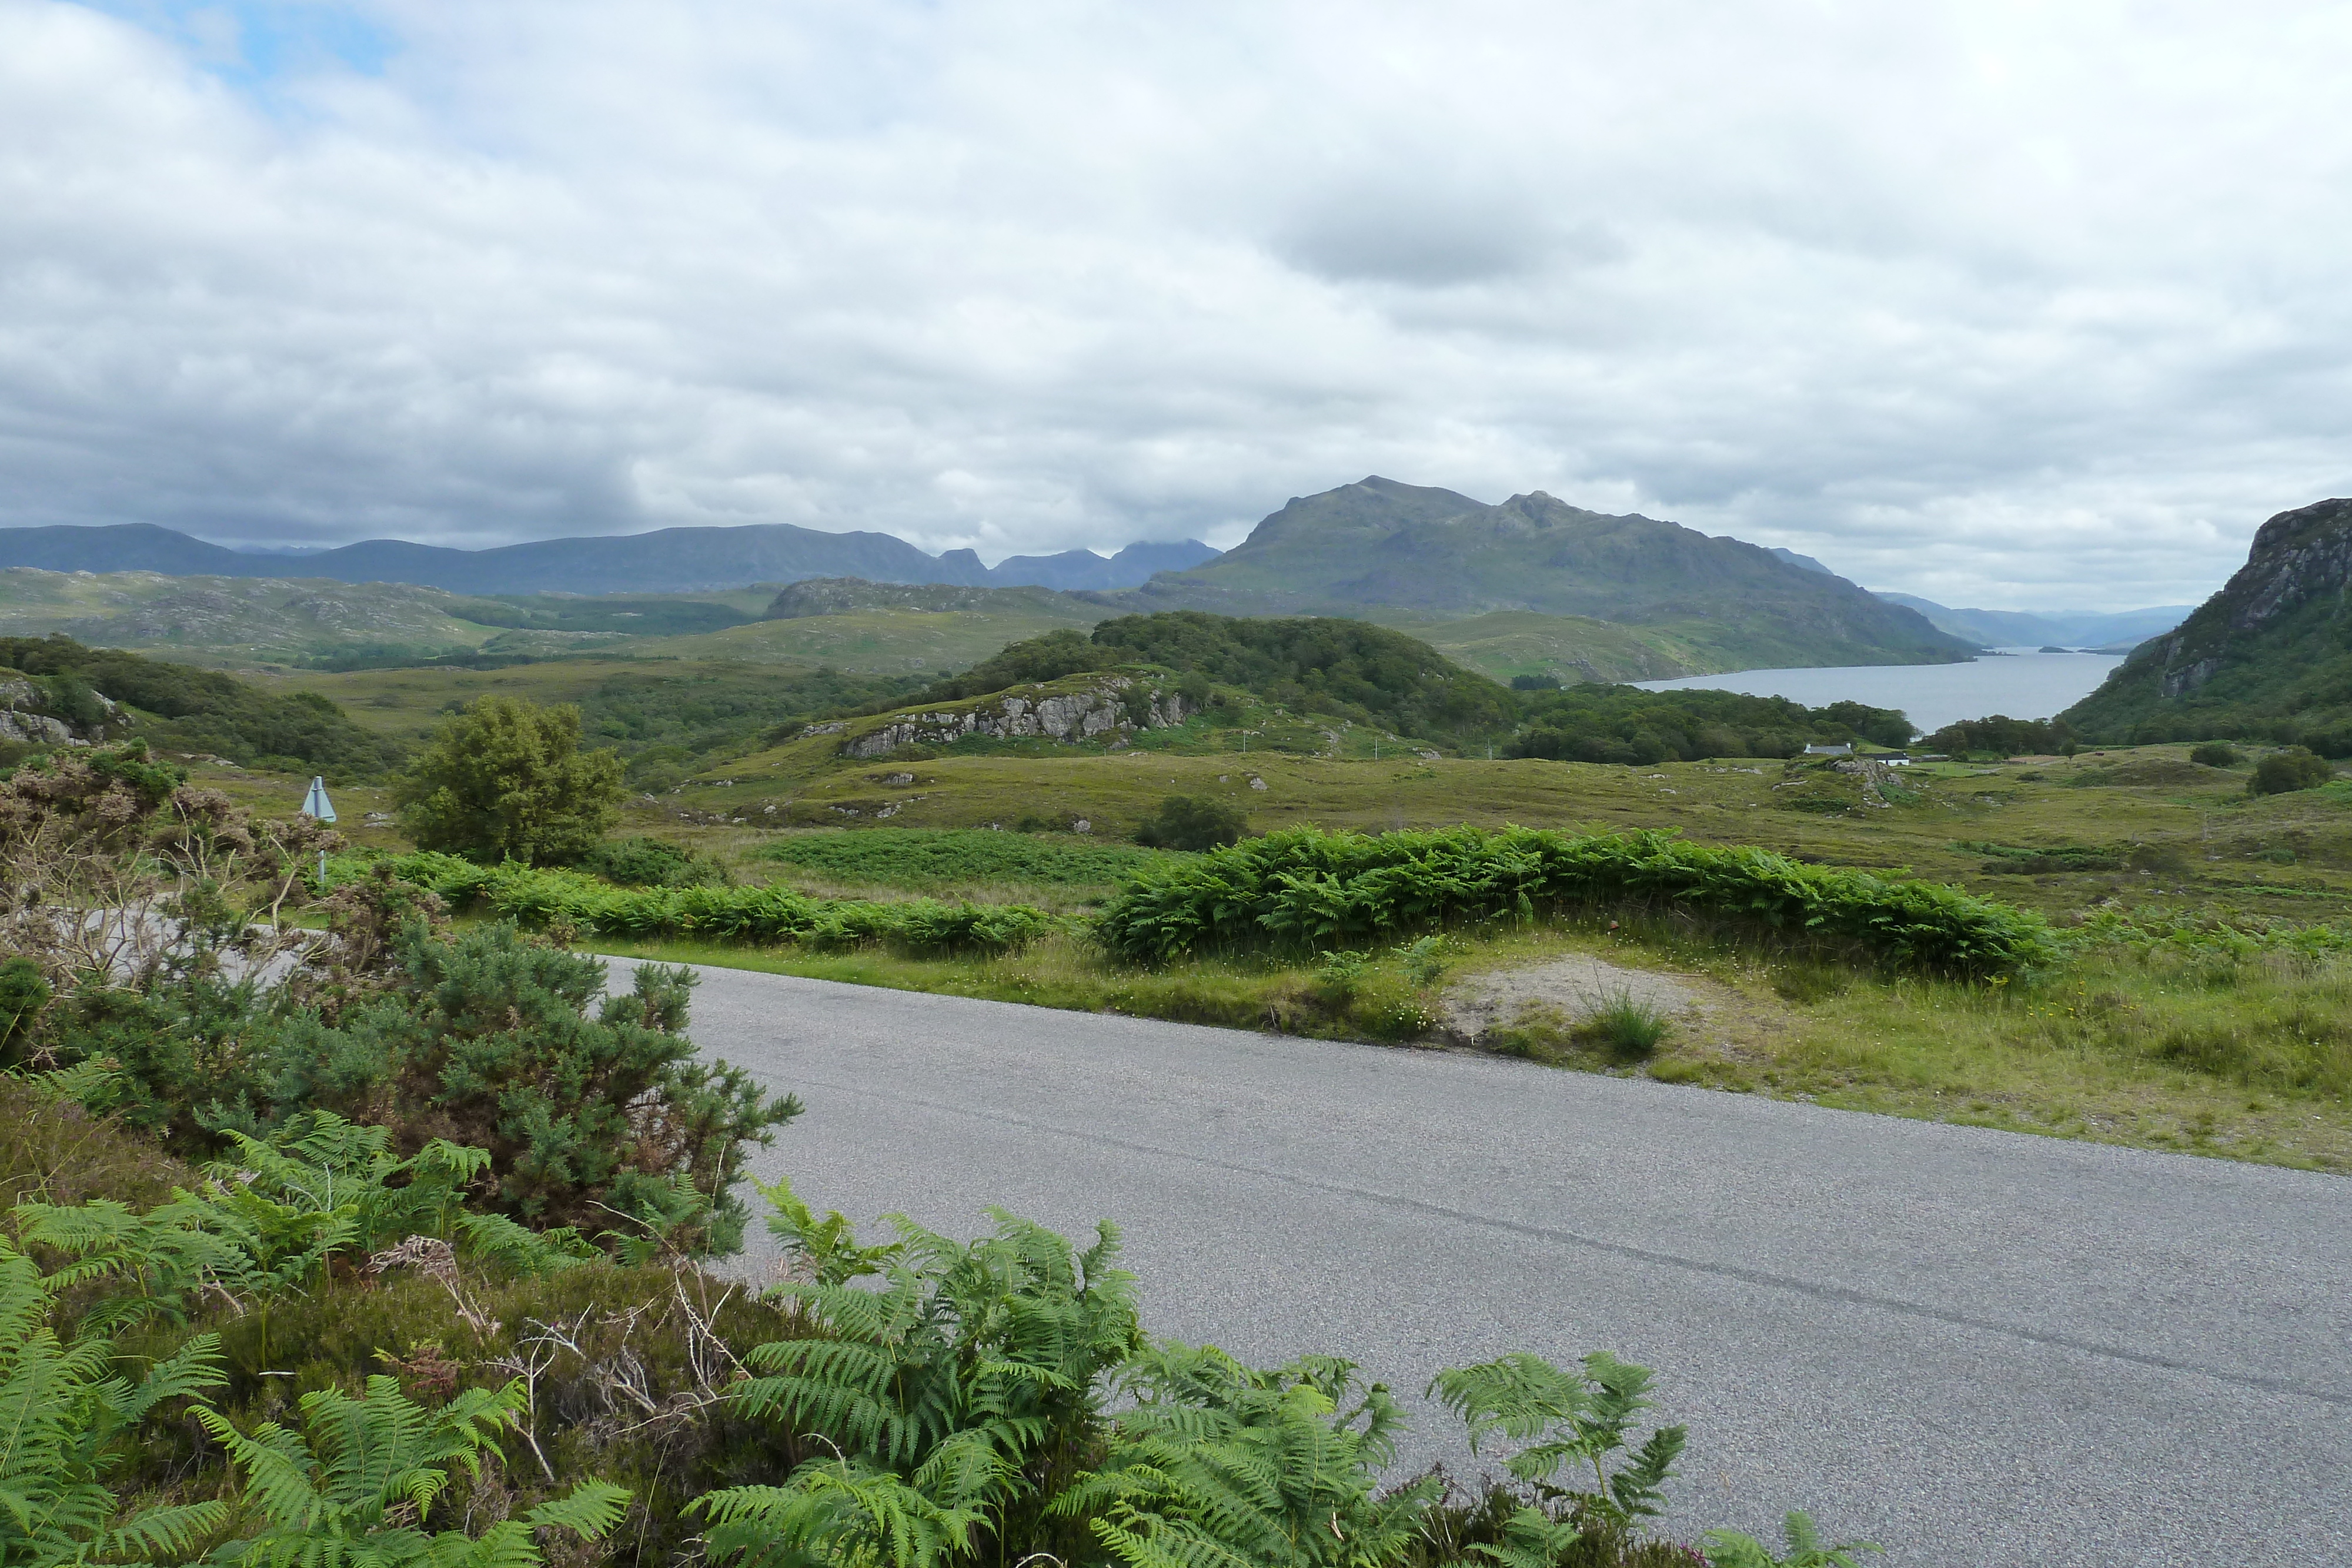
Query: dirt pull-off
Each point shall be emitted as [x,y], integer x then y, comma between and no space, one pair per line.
[1570,989]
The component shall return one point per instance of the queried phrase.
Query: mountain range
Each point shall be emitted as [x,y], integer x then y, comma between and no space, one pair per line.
[668,560]
[1377,550]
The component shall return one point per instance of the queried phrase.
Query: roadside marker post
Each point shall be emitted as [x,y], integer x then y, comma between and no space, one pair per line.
[318,809]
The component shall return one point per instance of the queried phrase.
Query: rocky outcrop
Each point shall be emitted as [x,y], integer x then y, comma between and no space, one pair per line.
[26,719]
[2251,652]
[1104,705]
[2297,557]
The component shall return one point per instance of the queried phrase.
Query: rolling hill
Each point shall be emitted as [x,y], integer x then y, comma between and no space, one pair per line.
[1377,543]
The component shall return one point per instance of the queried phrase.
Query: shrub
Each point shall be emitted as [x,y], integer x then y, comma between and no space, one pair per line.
[1192,822]
[2282,772]
[1306,889]
[925,857]
[490,1041]
[2216,754]
[651,862]
[506,780]
[773,913]
[25,992]
[589,1119]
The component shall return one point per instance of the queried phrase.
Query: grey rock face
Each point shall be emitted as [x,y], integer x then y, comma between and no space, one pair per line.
[1099,710]
[22,722]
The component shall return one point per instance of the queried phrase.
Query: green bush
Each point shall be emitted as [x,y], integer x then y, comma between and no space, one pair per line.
[25,992]
[1192,822]
[2282,772]
[591,1119]
[773,913]
[1306,890]
[2216,754]
[506,780]
[651,862]
[924,857]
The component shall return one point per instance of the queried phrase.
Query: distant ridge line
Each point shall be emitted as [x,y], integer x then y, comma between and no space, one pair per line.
[664,561]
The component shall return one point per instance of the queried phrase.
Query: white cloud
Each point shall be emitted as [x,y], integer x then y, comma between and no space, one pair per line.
[2002,303]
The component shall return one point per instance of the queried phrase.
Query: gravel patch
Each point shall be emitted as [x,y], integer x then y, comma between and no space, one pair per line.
[1575,986]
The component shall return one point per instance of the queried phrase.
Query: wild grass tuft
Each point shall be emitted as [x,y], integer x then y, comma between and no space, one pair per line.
[1625,1025]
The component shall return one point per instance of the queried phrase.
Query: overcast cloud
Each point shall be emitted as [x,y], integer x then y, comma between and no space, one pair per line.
[2016,305]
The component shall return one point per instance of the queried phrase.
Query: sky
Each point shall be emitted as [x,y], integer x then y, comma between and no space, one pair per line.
[2010,305]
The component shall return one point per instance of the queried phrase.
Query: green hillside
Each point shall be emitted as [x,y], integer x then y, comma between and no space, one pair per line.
[1379,543]
[1347,669]
[178,708]
[2267,658]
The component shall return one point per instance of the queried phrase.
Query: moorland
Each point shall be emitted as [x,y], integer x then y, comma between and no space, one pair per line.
[292,1188]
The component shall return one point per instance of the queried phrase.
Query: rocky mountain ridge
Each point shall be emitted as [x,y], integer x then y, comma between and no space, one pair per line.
[2269,655]
[1435,552]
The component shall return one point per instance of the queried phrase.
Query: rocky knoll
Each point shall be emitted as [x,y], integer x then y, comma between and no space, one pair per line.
[34,712]
[1096,707]
[2268,657]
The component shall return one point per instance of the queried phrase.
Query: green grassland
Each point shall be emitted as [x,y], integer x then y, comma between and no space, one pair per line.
[2201,1005]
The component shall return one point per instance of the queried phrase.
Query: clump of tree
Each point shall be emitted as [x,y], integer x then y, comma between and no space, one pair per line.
[1348,669]
[2284,772]
[506,780]
[1607,723]
[2000,736]
[1192,822]
[2216,754]
[179,708]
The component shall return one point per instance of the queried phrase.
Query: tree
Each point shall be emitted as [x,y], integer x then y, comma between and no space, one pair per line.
[1192,822]
[506,780]
[2282,772]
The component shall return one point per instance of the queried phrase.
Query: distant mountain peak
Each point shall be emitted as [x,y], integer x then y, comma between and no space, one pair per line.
[1433,552]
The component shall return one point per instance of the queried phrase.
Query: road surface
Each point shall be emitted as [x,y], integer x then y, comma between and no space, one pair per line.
[1974,1347]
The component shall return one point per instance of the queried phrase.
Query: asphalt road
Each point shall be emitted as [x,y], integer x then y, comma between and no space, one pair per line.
[1974,1347]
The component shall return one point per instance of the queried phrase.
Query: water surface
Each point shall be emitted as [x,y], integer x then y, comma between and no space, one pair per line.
[2022,684]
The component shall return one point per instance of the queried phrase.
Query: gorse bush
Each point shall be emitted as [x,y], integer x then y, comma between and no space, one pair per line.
[1305,889]
[775,914]
[593,1114]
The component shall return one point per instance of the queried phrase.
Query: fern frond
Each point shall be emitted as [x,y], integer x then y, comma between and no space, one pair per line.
[1531,1538]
